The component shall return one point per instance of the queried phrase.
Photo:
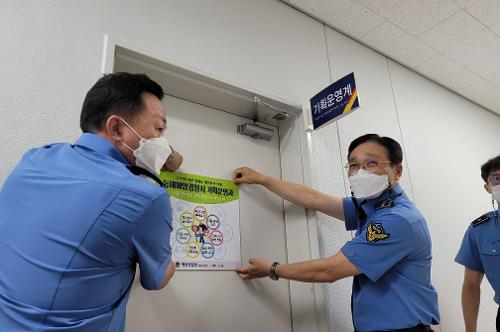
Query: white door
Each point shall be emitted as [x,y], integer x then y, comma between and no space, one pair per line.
[219,300]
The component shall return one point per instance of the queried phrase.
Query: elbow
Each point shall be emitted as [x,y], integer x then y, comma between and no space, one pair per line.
[169,273]
[332,276]
[163,284]
[338,267]
[312,203]
[331,273]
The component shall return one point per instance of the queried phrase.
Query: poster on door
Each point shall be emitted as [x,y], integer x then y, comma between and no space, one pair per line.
[205,221]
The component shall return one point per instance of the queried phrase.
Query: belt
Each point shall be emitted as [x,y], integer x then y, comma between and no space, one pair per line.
[418,328]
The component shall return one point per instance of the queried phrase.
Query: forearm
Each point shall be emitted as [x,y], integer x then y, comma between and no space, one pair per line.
[328,269]
[296,193]
[305,196]
[471,295]
[311,271]
[293,192]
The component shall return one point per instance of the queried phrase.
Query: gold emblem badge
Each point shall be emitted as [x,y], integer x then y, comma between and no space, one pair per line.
[376,232]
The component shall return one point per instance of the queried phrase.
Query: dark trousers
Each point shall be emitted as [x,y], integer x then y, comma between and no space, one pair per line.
[498,319]
[418,328]
[424,328]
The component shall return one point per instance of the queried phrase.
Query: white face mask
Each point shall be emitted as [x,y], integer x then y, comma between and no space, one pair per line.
[368,185]
[152,153]
[495,192]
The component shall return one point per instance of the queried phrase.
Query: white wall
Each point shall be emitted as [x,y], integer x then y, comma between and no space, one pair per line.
[51,53]
[447,139]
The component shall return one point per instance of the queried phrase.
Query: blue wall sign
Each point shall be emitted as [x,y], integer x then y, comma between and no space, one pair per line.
[335,101]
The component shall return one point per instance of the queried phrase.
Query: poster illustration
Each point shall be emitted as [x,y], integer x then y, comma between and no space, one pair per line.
[205,221]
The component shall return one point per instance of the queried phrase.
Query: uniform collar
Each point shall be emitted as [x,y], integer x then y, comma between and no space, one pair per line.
[491,214]
[494,215]
[101,145]
[370,205]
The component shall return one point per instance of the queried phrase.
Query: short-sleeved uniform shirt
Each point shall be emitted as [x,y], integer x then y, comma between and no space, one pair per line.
[480,249]
[74,222]
[392,250]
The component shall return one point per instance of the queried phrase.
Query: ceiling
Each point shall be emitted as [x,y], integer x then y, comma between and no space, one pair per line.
[455,43]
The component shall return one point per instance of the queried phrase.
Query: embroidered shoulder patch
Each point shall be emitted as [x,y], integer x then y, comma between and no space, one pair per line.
[480,220]
[376,232]
[388,203]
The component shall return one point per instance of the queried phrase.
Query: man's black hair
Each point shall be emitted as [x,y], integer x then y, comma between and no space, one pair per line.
[117,93]
[489,167]
[394,150]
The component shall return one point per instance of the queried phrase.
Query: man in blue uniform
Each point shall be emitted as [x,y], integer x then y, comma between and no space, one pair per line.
[480,251]
[75,220]
[390,256]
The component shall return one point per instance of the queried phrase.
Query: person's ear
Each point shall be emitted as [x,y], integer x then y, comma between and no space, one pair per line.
[113,128]
[398,172]
[487,188]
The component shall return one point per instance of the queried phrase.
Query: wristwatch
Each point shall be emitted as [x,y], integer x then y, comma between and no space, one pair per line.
[272,272]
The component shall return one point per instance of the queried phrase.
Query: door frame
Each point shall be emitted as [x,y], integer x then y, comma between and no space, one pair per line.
[307,300]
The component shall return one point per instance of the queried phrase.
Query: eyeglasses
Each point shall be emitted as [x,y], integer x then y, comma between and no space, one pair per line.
[369,164]
[494,179]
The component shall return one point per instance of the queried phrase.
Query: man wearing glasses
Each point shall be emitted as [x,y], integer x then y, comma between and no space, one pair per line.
[480,250]
[390,256]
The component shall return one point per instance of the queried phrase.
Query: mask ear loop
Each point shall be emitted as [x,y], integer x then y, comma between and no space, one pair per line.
[135,132]
[496,210]
[126,145]
[361,214]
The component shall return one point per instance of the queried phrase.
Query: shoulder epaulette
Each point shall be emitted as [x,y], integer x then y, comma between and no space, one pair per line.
[480,220]
[387,203]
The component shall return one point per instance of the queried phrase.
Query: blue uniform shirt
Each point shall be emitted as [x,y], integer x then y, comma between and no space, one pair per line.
[480,249]
[73,224]
[392,250]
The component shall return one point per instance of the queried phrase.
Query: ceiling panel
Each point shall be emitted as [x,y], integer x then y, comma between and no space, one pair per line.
[453,42]
[457,78]
[489,68]
[413,16]
[486,11]
[349,16]
[462,38]
[496,28]
[402,47]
